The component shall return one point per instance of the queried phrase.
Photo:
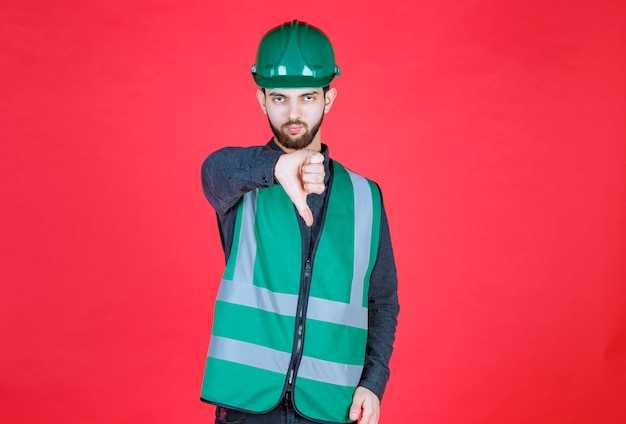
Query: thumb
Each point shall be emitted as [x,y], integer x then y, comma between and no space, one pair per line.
[355,409]
[304,211]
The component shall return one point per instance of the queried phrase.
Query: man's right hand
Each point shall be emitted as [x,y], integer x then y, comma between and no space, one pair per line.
[301,173]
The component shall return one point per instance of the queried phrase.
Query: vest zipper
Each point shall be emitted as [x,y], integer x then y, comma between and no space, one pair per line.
[300,320]
[305,288]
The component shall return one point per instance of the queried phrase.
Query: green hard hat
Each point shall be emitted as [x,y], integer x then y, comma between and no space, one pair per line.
[294,55]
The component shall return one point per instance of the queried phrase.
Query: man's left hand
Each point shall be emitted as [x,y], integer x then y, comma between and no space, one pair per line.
[365,406]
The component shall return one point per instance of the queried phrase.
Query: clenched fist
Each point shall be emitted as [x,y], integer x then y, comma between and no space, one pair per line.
[301,173]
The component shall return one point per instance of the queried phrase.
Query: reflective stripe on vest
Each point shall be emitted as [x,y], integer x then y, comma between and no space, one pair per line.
[253,298]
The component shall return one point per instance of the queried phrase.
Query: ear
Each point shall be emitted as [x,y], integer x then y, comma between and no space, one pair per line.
[260,95]
[329,99]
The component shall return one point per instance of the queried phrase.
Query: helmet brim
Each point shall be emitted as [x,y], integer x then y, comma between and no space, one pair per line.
[292,81]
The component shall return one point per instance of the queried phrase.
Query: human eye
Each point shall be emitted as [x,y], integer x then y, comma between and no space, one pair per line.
[278,99]
[309,98]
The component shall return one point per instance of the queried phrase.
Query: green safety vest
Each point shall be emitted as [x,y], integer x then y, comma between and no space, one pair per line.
[252,341]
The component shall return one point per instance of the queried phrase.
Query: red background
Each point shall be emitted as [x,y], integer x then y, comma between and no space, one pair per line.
[495,128]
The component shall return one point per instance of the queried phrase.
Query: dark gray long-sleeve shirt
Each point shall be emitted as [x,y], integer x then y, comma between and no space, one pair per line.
[229,173]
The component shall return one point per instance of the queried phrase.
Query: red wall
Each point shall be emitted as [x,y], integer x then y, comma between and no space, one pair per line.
[496,129]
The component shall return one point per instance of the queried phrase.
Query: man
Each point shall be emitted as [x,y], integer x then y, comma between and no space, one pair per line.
[307,308]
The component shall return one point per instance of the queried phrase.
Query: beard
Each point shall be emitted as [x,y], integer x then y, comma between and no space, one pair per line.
[298,142]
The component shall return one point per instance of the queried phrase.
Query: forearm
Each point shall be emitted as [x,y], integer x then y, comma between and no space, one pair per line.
[383,313]
[229,173]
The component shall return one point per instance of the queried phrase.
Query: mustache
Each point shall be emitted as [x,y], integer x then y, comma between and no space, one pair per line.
[294,122]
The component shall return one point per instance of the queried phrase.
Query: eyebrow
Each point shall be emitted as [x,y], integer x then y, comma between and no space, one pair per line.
[279,94]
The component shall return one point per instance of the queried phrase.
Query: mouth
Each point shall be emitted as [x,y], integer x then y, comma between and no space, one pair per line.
[294,129]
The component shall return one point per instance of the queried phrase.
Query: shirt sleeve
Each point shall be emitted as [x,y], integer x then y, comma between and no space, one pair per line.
[383,315]
[229,173]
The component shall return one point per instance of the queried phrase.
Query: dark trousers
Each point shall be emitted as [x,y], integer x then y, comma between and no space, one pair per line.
[284,413]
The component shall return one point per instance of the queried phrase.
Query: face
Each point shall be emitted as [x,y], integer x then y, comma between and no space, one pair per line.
[295,115]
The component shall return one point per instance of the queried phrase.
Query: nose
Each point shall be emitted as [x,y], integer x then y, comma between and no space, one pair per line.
[294,111]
